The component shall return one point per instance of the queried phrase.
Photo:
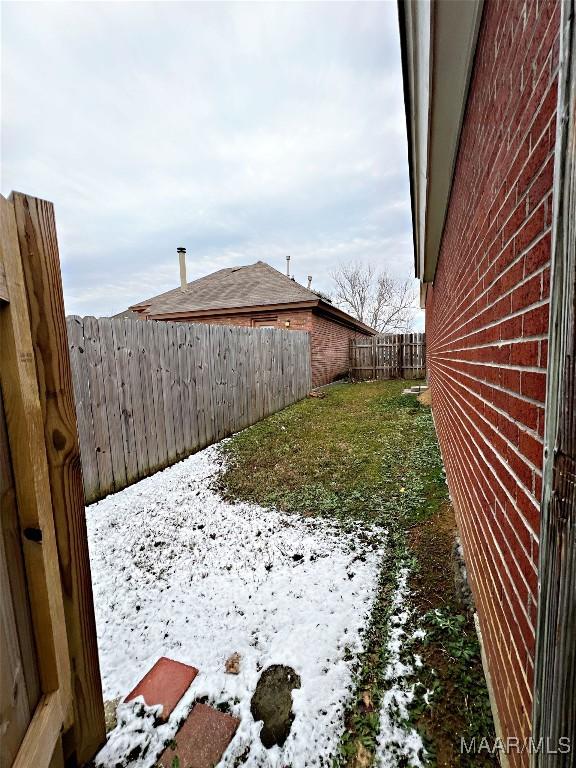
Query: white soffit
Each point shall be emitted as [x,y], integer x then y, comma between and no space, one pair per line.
[439,41]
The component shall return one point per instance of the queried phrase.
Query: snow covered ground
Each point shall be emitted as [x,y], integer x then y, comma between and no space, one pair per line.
[398,743]
[179,572]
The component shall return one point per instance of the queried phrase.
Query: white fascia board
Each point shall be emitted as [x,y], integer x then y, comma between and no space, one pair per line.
[438,45]
[415,33]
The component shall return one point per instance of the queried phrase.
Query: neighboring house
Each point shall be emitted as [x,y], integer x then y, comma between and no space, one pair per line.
[481,94]
[260,296]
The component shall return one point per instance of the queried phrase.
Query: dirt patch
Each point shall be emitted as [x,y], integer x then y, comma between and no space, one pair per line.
[451,655]
[432,585]
[426,397]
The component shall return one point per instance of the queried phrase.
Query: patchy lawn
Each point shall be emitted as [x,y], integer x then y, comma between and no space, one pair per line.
[367,453]
[320,538]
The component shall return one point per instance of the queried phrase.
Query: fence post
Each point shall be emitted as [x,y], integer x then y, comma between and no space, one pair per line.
[41,265]
[350,361]
[25,452]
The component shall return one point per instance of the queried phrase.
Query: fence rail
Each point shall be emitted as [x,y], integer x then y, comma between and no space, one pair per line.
[388,356]
[149,393]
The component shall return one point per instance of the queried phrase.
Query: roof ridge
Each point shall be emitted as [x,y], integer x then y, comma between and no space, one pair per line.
[292,280]
[258,283]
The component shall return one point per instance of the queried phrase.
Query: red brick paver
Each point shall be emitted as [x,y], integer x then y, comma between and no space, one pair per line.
[202,740]
[164,684]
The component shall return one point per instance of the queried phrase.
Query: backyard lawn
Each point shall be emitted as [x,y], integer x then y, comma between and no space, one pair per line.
[320,538]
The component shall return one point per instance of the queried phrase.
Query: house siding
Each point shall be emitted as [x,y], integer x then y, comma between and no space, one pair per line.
[487,334]
[329,341]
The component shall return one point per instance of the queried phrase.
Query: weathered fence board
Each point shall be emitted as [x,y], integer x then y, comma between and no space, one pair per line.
[150,393]
[112,399]
[388,356]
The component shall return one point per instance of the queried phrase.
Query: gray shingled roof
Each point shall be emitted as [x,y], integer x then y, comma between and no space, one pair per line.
[253,285]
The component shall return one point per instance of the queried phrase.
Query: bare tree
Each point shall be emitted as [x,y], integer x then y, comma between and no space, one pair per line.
[375,298]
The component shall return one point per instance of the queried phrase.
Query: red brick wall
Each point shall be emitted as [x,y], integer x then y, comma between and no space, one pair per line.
[300,319]
[330,345]
[487,323]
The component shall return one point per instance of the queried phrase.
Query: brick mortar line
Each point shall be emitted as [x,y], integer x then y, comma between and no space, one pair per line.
[450,324]
[487,569]
[513,653]
[492,215]
[521,426]
[520,140]
[504,489]
[497,387]
[533,467]
[501,554]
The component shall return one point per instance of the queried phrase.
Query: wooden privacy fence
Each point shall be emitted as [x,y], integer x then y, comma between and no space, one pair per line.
[149,393]
[388,356]
[51,710]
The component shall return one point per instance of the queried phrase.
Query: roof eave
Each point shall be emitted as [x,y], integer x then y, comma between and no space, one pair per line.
[250,308]
[313,304]
[344,318]
[438,42]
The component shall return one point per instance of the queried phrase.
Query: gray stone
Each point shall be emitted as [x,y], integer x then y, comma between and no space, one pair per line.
[110,708]
[272,703]
[463,591]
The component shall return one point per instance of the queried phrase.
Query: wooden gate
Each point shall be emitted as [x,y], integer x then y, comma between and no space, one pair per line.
[51,707]
[388,356]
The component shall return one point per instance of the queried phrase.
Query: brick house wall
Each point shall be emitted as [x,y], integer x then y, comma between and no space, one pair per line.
[300,320]
[329,340]
[487,333]
[330,348]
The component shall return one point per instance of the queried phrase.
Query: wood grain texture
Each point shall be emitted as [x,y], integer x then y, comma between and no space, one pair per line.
[158,395]
[388,356]
[42,745]
[19,679]
[176,387]
[30,468]
[76,344]
[4,296]
[112,400]
[120,351]
[100,409]
[165,390]
[42,280]
[15,561]
[134,382]
[554,701]
[144,359]
[165,363]
[15,707]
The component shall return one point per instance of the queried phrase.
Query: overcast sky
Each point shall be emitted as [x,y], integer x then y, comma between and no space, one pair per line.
[241,131]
